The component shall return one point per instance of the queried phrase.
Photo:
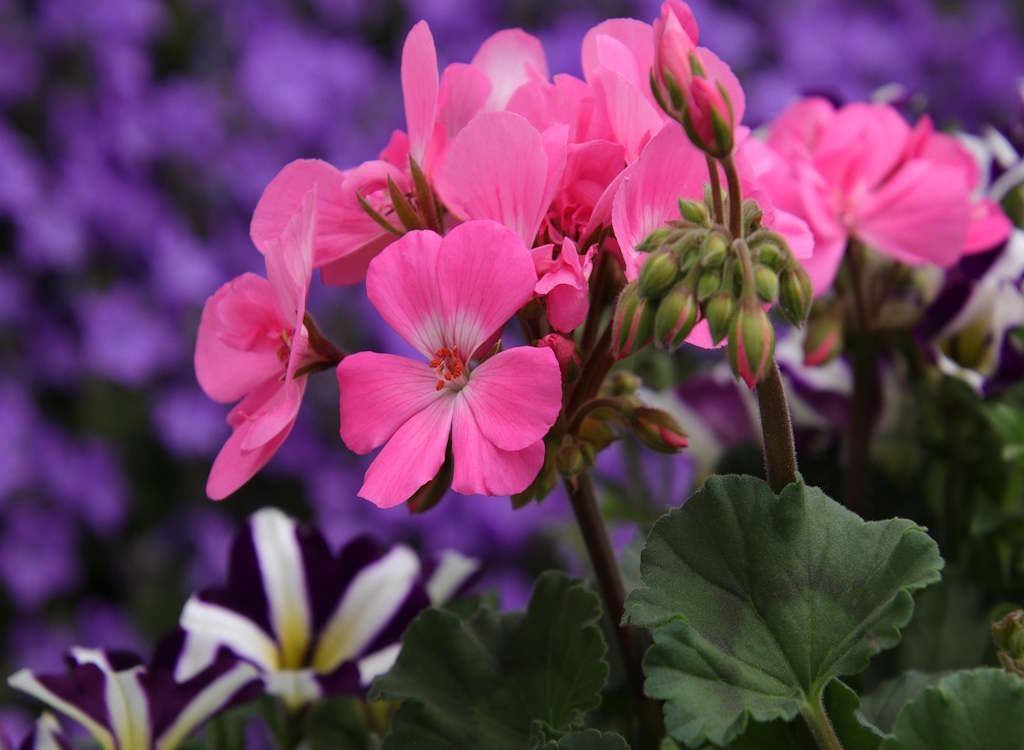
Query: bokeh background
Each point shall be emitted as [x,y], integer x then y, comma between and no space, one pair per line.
[135,139]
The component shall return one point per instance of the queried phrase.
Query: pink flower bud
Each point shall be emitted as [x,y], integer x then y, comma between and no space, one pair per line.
[565,352]
[633,324]
[658,430]
[751,343]
[675,38]
[824,340]
[709,117]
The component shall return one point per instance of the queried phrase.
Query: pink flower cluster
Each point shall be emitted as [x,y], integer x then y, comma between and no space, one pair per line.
[503,193]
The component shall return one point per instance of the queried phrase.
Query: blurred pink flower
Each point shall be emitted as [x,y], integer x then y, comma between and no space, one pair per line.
[447,297]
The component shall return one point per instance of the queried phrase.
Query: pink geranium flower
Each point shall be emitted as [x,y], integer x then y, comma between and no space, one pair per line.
[861,171]
[563,283]
[253,345]
[448,296]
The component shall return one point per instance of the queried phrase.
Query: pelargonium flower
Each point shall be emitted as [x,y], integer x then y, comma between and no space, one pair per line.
[448,297]
[563,283]
[126,705]
[862,172]
[437,108]
[254,344]
[311,622]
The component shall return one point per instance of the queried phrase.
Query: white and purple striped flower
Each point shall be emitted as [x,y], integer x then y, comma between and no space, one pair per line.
[126,705]
[312,622]
[45,735]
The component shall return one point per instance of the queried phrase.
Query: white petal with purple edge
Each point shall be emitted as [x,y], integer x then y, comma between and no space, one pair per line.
[452,571]
[125,698]
[27,682]
[209,701]
[48,735]
[295,688]
[247,639]
[377,663]
[371,600]
[284,581]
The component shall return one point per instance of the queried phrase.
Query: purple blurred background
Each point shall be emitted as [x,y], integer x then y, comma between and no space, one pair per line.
[135,139]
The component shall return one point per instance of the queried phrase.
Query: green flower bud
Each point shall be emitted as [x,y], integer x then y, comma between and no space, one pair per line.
[633,323]
[824,340]
[751,343]
[766,282]
[1008,634]
[708,283]
[676,316]
[654,240]
[570,459]
[715,249]
[694,212]
[752,216]
[796,295]
[769,254]
[719,312]
[658,430]
[658,274]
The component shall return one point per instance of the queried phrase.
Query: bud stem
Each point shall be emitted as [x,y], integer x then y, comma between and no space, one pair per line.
[735,198]
[716,190]
[594,403]
[776,430]
[609,580]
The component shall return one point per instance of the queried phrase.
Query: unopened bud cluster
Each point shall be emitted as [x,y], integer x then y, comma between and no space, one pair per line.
[695,270]
[1008,634]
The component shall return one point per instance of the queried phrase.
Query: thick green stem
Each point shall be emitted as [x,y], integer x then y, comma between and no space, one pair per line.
[716,191]
[776,430]
[613,593]
[821,727]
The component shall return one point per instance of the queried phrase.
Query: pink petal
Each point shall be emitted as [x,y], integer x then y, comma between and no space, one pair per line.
[420,88]
[380,393]
[412,457]
[510,58]
[920,215]
[632,118]
[796,132]
[499,168]
[515,396]
[796,232]
[402,284]
[481,468]
[567,101]
[634,36]
[234,466]
[670,168]
[239,335]
[484,275]
[701,337]
[989,227]
[823,265]
[275,415]
[351,269]
[861,146]
[283,197]
[464,90]
[290,259]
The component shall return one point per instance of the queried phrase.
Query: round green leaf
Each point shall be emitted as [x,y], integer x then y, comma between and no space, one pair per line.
[757,601]
[978,710]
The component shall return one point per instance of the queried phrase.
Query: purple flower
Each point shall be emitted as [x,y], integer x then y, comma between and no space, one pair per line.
[312,622]
[50,542]
[123,703]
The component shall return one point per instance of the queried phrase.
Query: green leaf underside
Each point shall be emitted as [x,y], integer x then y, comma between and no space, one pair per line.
[982,709]
[757,601]
[589,739]
[491,680]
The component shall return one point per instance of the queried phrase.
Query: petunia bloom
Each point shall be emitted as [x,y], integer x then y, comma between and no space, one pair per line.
[448,296]
[254,345]
[311,622]
[126,705]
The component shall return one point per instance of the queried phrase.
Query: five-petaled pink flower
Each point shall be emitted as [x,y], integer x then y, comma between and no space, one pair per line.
[253,345]
[448,297]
